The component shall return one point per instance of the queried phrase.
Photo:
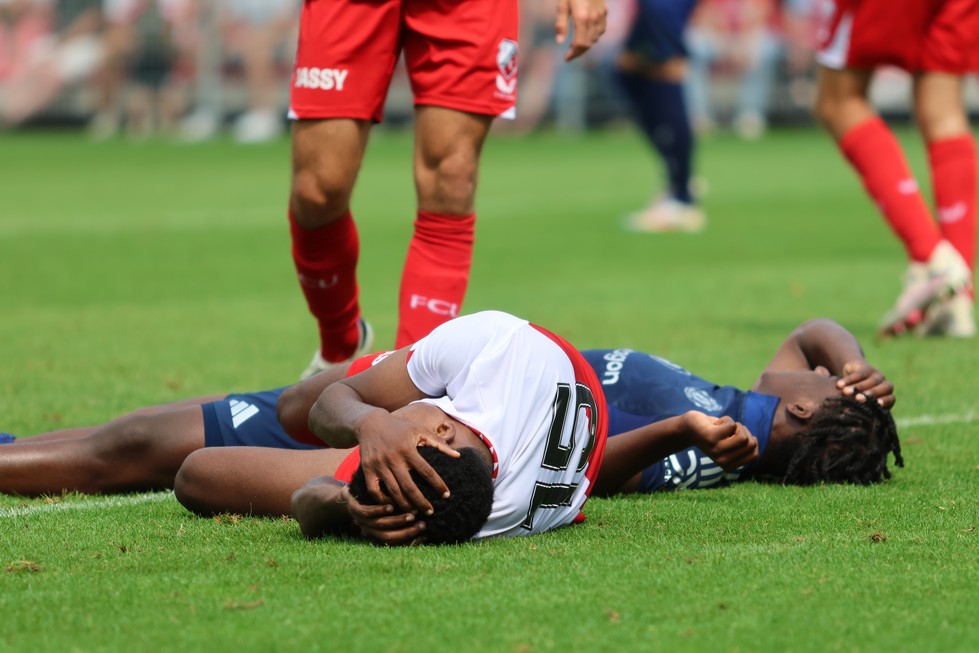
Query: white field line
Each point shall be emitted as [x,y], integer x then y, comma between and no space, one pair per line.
[932,420]
[138,499]
[94,504]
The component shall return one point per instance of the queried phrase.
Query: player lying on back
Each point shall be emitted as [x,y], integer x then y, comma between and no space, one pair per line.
[145,449]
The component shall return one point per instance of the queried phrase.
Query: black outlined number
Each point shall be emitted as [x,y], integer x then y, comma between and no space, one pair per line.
[557,457]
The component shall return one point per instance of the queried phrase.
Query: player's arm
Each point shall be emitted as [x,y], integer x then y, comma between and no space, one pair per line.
[727,442]
[324,506]
[824,344]
[357,410]
[296,401]
[588,19]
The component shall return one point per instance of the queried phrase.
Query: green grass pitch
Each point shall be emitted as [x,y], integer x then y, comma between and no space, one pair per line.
[140,274]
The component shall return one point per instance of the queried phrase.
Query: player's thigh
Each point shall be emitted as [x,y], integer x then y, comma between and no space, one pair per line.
[345,57]
[462,54]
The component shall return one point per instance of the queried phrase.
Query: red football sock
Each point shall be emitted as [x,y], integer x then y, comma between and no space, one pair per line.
[954,180]
[877,157]
[436,273]
[326,263]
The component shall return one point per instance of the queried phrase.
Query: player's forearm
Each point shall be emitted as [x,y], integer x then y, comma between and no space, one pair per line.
[628,454]
[296,402]
[319,508]
[824,342]
[336,416]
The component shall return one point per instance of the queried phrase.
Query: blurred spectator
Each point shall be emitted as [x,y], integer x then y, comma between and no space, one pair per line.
[136,84]
[45,46]
[258,40]
[734,38]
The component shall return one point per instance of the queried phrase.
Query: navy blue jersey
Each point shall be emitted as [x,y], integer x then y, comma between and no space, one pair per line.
[657,29]
[641,389]
[247,420]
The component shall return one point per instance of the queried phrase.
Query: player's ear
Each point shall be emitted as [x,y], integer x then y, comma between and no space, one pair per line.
[800,410]
[445,429]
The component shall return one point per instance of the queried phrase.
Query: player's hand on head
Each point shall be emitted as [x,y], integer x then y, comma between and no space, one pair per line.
[588,18]
[382,524]
[389,453]
[864,382]
[728,443]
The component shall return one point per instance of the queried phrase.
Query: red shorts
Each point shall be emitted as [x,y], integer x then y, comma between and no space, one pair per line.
[460,54]
[916,35]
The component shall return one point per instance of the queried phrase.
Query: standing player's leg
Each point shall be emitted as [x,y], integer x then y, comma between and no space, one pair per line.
[942,120]
[346,56]
[436,272]
[326,157]
[652,70]
[873,151]
[462,59]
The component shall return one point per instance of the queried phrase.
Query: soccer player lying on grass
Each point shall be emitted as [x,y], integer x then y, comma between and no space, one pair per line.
[818,413]
[522,396]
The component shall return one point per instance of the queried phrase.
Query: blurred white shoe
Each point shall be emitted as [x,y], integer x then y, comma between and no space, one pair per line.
[943,276]
[258,127]
[750,126]
[364,346]
[954,317]
[104,125]
[199,126]
[665,215]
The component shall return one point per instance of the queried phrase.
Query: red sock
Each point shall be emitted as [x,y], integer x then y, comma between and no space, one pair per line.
[872,149]
[436,273]
[953,178]
[326,262]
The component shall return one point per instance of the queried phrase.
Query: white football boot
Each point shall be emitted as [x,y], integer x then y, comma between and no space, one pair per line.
[944,275]
[364,346]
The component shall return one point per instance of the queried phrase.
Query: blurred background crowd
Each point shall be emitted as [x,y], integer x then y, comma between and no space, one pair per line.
[190,69]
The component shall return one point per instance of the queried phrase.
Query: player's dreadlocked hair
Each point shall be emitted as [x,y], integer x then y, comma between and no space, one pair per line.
[459,517]
[847,442]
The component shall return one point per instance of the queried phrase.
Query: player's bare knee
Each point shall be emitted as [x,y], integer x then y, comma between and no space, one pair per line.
[126,444]
[191,485]
[455,183]
[318,200]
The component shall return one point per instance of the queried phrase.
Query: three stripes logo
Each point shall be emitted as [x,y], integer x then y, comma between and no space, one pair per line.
[241,412]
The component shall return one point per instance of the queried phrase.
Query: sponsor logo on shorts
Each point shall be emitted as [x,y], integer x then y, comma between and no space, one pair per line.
[506,63]
[699,398]
[324,79]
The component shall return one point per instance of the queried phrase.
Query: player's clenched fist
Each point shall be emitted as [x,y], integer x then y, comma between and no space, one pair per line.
[728,443]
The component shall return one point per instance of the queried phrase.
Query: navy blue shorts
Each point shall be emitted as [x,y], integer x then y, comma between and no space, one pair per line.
[247,420]
[657,31]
